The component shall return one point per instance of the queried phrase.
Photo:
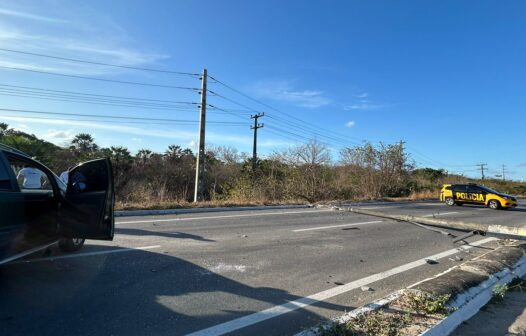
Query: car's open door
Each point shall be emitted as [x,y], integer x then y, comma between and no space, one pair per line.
[87,207]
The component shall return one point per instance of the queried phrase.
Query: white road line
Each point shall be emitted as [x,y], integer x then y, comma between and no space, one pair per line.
[440,214]
[378,207]
[87,254]
[275,311]
[222,216]
[334,226]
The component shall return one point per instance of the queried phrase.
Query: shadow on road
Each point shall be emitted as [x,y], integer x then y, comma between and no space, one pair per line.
[129,293]
[179,235]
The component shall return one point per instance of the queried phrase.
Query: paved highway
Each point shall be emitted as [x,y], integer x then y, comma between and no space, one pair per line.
[265,272]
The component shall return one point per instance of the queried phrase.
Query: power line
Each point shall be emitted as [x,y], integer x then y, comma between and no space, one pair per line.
[316,127]
[314,132]
[227,112]
[116,117]
[125,121]
[233,101]
[101,79]
[98,95]
[100,63]
[94,102]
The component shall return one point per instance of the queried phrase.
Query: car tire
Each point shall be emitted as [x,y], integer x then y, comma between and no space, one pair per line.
[494,204]
[450,201]
[70,244]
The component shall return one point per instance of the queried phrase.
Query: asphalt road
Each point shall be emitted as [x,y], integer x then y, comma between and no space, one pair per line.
[266,272]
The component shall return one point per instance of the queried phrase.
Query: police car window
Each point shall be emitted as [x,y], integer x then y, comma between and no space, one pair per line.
[460,188]
[489,190]
[29,177]
[474,189]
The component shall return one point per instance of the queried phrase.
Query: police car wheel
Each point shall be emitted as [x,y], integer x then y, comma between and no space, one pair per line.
[70,244]
[494,204]
[450,201]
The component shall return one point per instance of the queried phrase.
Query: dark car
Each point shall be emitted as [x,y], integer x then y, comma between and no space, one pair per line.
[37,209]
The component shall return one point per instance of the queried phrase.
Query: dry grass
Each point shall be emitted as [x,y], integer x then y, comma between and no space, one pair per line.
[420,195]
[410,314]
[161,205]
[149,203]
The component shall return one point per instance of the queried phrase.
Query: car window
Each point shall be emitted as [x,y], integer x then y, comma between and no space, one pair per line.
[5,180]
[29,177]
[489,190]
[473,189]
[459,188]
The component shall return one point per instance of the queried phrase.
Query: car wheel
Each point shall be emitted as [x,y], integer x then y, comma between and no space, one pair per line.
[70,244]
[494,204]
[450,201]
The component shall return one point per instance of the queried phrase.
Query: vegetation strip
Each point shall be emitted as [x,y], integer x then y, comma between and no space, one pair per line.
[297,174]
[435,306]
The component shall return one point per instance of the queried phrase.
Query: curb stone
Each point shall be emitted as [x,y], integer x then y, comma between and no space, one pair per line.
[470,286]
[130,213]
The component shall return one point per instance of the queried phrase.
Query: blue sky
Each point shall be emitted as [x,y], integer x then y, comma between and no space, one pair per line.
[447,77]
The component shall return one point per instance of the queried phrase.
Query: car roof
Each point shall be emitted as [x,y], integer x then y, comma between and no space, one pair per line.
[6,148]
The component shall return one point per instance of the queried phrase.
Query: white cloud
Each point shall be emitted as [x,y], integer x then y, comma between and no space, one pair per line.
[284,91]
[362,106]
[20,127]
[95,36]
[350,124]
[136,139]
[58,136]
[362,95]
[181,135]
[30,16]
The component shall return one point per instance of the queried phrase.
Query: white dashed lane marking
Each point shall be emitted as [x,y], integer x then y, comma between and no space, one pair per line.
[334,226]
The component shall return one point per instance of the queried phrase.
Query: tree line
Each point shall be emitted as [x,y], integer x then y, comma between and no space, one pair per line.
[305,172]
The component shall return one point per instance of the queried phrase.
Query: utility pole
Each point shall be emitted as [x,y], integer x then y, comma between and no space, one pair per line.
[482,165]
[504,172]
[254,148]
[200,160]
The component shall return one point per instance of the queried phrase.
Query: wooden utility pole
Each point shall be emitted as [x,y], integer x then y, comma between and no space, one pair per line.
[200,160]
[504,172]
[254,148]
[482,165]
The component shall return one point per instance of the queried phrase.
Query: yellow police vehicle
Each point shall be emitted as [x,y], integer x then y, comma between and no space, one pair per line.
[458,194]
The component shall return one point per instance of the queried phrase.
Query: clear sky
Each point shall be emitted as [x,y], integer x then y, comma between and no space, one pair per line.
[447,77]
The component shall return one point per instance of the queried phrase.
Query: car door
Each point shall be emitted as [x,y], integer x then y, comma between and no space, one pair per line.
[459,193]
[38,189]
[475,194]
[87,207]
[12,215]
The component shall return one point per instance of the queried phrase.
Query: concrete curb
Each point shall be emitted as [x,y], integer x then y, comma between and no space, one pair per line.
[130,213]
[498,267]
[470,286]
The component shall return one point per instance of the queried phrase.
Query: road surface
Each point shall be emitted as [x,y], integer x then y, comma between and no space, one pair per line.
[265,272]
